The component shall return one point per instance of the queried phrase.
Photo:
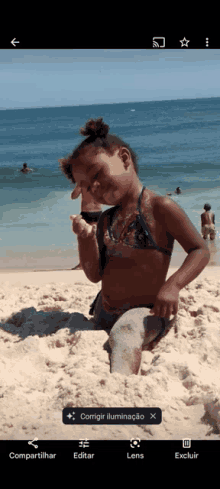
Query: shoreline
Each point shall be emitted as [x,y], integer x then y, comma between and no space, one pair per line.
[22,277]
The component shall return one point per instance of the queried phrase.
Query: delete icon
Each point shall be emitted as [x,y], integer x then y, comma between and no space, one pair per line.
[186,443]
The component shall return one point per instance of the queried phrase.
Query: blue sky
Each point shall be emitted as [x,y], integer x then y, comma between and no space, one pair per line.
[53,78]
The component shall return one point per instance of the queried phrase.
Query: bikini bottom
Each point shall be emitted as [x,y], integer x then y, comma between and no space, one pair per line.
[155,327]
[96,303]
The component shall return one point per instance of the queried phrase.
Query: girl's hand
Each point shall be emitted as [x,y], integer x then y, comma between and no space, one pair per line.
[81,227]
[166,303]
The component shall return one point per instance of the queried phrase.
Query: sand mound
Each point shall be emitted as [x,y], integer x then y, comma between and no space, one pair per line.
[52,358]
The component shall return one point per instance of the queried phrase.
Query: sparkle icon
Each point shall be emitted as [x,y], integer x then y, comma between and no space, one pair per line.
[184,41]
[71,415]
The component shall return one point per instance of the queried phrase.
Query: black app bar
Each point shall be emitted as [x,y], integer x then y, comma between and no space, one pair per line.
[149,41]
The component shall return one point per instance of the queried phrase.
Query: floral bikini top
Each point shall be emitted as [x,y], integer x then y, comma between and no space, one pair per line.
[135,234]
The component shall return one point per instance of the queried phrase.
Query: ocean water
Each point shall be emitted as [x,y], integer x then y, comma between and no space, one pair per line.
[177,143]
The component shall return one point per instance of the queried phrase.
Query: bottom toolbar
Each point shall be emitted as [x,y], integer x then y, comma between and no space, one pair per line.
[135,448]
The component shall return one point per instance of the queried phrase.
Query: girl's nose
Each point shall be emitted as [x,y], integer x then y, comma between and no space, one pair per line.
[95,187]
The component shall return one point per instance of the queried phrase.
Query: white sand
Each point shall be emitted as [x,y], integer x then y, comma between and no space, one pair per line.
[54,359]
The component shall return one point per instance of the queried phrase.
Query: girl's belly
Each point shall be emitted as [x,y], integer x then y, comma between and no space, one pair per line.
[131,284]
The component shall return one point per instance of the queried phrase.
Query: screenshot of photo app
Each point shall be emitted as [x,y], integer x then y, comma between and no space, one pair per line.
[110,252]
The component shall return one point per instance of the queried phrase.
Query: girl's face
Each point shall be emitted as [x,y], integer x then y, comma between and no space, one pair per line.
[108,178]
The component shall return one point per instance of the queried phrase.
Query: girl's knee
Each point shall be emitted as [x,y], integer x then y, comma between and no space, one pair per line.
[125,340]
[129,329]
[125,361]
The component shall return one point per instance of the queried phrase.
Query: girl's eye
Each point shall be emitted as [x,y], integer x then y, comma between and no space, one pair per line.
[88,189]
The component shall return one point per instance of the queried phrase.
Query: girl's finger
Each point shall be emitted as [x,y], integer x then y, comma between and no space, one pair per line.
[163,311]
[155,311]
[76,192]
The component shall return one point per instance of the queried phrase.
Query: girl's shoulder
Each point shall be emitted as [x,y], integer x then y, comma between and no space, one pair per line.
[163,207]
[151,201]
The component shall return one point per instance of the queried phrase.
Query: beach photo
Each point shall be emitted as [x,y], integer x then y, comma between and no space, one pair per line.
[109,241]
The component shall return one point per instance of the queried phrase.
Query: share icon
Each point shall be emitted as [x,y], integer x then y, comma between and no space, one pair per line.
[31,443]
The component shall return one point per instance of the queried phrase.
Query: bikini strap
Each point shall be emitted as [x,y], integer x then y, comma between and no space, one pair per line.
[145,227]
[139,199]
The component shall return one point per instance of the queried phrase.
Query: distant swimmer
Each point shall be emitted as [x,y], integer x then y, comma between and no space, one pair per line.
[178,190]
[169,193]
[25,169]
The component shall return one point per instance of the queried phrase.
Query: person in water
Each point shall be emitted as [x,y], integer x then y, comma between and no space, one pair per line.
[131,248]
[90,209]
[208,223]
[178,190]
[25,169]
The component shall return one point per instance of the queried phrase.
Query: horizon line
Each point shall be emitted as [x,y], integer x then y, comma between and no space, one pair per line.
[103,103]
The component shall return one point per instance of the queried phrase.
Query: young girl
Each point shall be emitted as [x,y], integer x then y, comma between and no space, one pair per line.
[131,249]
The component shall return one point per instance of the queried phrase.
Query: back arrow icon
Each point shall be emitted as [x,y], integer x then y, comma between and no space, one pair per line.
[15,42]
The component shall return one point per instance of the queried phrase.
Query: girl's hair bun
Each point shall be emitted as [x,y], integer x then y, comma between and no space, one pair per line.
[95,128]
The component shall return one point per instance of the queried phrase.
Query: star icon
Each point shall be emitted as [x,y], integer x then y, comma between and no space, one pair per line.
[186,42]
